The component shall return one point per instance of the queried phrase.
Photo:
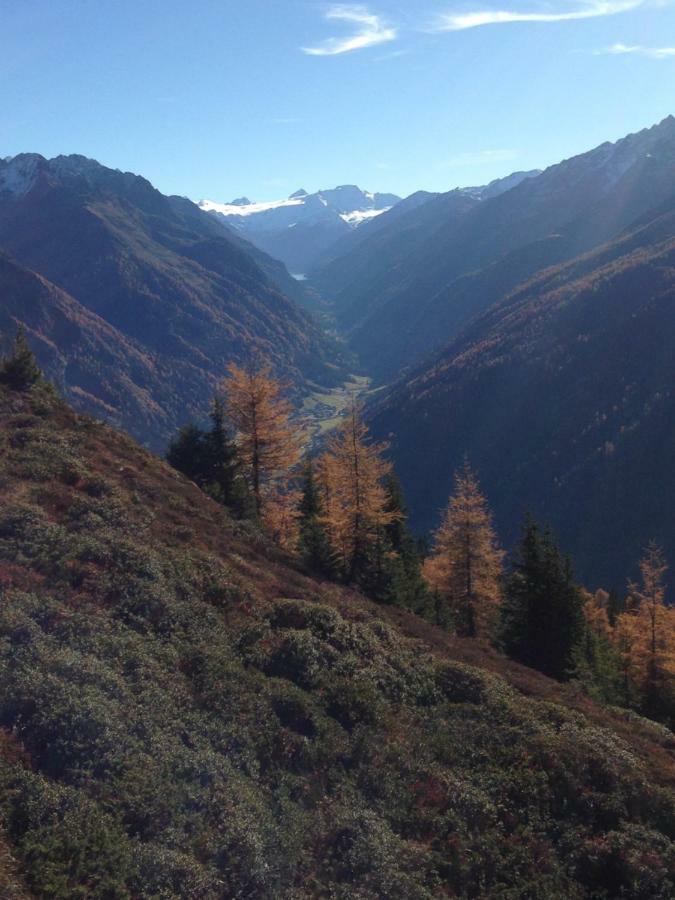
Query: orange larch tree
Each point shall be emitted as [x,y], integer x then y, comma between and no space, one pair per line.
[281,515]
[269,443]
[465,564]
[645,632]
[596,612]
[351,477]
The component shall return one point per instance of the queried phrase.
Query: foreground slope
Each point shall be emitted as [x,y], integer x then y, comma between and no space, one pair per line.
[162,274]
[446,264]
[182,714]
[563,397]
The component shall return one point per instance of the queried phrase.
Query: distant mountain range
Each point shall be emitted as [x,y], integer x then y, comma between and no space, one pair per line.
[410,287]
[136,301]
[302,228]
[562,392]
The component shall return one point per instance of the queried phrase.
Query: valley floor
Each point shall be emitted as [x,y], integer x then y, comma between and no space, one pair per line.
[323,409]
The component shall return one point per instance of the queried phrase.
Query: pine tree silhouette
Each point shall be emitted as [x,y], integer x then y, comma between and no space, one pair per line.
[19,370]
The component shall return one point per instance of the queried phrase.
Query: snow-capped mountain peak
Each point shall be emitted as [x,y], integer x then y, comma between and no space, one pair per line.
[18,173]
[244,207]
[347,201]
[300,227]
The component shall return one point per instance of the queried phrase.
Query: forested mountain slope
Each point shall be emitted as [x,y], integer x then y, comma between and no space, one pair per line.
[182,714]
[381,248]
[93,364]
[161,274]
[407,292]
[563,397]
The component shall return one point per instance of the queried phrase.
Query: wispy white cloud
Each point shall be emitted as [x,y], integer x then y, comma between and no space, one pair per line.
[588,9]
[638,50]
[476,157]
[371,30]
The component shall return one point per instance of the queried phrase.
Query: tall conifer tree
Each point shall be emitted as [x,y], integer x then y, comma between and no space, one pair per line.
[314,546]
[19,370]
[210,459]
[466,561]
[542,620]
[352,473]
[268,442]
[645,636]
[221,457]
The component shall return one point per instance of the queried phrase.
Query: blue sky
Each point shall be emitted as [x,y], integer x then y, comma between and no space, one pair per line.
[220,98]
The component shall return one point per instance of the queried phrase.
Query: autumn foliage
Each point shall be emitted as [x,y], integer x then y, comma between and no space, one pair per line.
[645,632]
[466,561]
[269,445]
[351,476]
[343,516]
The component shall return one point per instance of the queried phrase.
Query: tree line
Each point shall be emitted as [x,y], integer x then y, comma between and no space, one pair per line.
[341,514]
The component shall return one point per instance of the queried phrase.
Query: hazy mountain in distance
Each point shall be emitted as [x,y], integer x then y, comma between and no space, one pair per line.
[299,229]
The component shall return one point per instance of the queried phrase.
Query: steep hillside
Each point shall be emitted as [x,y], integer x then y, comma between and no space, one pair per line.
[382,246]
[302,228]
[418,287]
[348,243]
[562,395]
[380,251]
[182,715]
[93,364]
[160,273]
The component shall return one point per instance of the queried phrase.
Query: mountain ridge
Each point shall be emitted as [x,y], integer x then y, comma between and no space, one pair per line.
[564,211]
[161,273]
[299,229]
[561,394]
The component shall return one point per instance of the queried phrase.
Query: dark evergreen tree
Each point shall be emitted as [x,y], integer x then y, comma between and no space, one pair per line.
[187,452]
[596,665]
[542,620]
[220,458]
[210,459]
[19,370]
[409,588]
[376,572]
[391,569]
[315,549]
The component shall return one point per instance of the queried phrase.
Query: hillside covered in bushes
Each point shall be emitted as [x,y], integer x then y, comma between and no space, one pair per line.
[182,714]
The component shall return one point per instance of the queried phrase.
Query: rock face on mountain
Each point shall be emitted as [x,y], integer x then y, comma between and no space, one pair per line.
[182,714]
[301,229]
[450,259]
[563,396]
[159,279]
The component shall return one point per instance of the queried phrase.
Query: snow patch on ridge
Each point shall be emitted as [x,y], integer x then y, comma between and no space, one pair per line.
[358,216]
[18,173]
[250,209]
